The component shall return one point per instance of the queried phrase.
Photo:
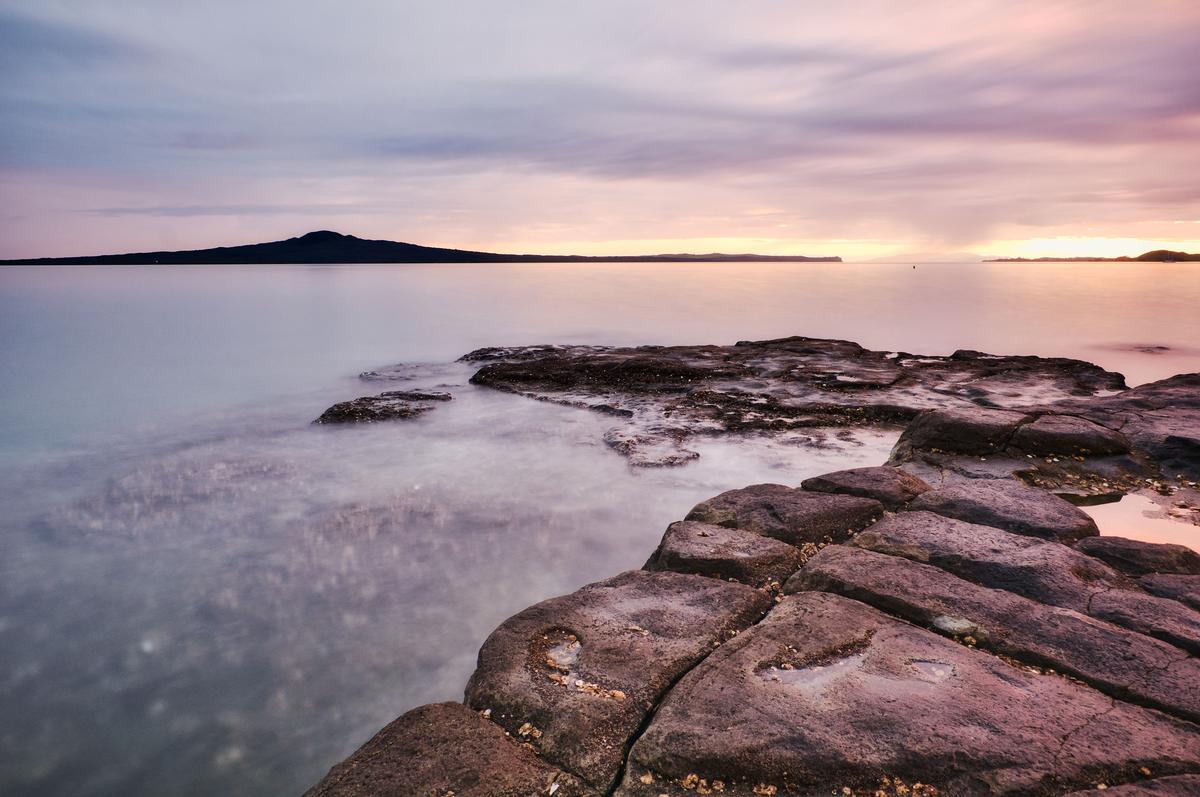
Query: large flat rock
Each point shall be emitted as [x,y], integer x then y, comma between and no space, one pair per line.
[575,676]
[891,487]
[662,395]
[1180,587]
[1162,618]
[1010,505]
[1051,445]
[1068,435]
[828,694]
[1119,662]
[1160,418]
[1138,558]
[442,749]
[787,514]
[719,552]
[1044,571]
[963,430]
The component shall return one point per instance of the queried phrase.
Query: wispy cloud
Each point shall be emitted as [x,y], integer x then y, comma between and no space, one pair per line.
[941,127]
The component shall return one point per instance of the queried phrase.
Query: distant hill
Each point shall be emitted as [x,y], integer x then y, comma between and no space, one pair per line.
[331,247]
[1157,256]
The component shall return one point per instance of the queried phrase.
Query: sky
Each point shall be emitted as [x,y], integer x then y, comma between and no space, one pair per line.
[870,130]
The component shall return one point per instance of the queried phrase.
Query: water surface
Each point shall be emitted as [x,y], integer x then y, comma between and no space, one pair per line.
[203,594]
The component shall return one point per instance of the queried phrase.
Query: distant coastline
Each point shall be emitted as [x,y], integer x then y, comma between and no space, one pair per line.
[329,247]
[1156,256]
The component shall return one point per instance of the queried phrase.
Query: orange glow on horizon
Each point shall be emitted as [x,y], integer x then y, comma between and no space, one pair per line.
[1083,246]
[849,249]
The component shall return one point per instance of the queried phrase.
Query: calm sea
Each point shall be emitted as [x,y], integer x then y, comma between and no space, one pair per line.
[200,593]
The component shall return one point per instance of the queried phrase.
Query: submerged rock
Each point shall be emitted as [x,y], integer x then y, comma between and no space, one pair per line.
[389,406]
[787,514]
[658,449]
[719,552]
[576,676]
[1010,505]
[828,694]
[891,487]
[442,749]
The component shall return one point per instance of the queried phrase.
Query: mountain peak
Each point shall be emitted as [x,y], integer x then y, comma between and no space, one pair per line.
[322,236]
[327,246]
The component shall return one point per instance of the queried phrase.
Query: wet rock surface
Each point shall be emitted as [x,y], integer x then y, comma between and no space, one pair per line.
[779,387]
[1138,558]
[576,676]
[719,552]
[828,694]
[787,514]
[891,487]
[1010,505]
[442,749]
[388,406]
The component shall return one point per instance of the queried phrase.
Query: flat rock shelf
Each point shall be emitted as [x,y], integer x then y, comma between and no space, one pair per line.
[947,623]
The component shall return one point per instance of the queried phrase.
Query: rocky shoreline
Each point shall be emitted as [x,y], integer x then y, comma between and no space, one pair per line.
[946,623]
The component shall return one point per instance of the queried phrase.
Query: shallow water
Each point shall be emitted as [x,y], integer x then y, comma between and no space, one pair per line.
[201,593]
[1139,518]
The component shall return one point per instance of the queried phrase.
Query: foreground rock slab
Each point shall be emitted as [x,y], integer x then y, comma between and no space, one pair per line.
[440,749]
[719,552]
[1010,505]
[1119,662]
[575,676]
[787,514]
[891,487]
[1174,786]
[1041,570]
[1138,558]
[828,694]
[1184,588]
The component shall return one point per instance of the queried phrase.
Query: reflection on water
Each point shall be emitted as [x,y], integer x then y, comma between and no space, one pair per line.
[202,594]
[1139,518]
